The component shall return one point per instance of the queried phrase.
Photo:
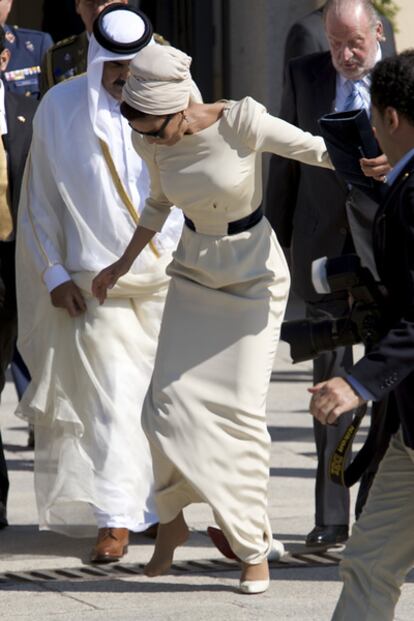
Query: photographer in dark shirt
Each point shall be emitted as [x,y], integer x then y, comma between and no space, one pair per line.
[381,549]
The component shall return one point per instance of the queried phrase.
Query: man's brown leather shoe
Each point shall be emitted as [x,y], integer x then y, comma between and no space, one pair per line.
[111,545]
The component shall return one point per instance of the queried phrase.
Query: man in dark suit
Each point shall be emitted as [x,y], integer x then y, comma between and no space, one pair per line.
[27,48]
[308,36]
[381,550]
[315,213]
[16,114]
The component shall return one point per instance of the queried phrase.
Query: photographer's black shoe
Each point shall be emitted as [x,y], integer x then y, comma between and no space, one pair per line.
[327,535]
[3,516]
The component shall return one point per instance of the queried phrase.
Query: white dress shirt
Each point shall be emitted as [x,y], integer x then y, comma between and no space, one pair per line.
[364,85]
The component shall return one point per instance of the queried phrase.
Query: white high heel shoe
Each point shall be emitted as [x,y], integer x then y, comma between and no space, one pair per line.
[251,587]
[277,550]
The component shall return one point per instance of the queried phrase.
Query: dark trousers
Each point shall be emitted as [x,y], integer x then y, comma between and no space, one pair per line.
[8,309]
[20,373]
[8,329]
[332,502]
[381,430]
[4,479]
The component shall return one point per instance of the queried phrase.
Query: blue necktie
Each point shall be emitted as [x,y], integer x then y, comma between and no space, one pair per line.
[354,100]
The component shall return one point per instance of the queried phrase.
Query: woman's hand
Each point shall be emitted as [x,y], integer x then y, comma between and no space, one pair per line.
[107,278]
[376,167]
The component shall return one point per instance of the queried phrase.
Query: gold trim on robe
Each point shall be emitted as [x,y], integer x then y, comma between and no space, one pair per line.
[121,190]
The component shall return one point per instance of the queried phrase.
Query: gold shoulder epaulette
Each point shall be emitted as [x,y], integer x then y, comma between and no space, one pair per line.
[63,42]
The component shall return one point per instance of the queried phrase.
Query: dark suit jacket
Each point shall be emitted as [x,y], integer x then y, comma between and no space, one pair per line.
[389,367]
[307,36]
[19,115]
[311,209]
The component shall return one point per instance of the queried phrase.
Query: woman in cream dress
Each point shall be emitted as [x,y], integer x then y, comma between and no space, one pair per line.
[204,413]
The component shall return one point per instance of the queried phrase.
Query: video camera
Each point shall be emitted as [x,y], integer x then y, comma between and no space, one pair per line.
[365,323]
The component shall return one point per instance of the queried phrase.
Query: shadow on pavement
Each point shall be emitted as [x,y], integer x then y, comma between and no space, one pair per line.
[20,465]
[117,586]
[292,376]
[291,434]
[302,473]
[27,540]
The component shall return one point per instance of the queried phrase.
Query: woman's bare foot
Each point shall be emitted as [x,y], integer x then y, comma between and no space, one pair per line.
[252,573]
[169,537]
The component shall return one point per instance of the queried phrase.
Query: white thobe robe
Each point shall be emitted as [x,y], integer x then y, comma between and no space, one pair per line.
[89,374]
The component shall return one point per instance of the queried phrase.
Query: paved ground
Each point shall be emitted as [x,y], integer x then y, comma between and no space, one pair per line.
[46,576]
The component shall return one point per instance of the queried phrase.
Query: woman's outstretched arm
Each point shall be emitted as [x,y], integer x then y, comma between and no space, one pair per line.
[108,277]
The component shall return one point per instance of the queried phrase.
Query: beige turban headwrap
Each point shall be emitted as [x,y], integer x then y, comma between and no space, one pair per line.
[160,80]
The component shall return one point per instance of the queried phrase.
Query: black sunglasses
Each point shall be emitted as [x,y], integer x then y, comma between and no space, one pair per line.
[159,132]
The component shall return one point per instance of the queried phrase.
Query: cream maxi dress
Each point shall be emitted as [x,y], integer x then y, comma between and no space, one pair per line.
[204,413]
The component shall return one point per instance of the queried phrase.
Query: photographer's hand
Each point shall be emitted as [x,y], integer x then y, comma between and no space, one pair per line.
[376,167]
[331,399]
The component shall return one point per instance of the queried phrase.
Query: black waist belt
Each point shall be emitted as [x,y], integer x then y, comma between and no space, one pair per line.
[238,226]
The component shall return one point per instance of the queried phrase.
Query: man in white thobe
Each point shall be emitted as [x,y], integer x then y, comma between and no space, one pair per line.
[90,365]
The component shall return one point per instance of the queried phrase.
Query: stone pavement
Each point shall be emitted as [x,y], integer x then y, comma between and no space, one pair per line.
[44,576]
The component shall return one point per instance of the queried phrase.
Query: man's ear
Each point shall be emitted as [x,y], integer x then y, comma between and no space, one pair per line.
[391,119]
[379,32]
[5,56]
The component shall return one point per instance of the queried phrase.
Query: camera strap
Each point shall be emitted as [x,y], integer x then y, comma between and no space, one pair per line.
[337,470]
[384,423]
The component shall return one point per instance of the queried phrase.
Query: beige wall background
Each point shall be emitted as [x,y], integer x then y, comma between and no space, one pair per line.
[405,25]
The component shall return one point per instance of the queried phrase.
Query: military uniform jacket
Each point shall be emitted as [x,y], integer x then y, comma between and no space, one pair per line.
[64,60]
[19,114]
[27,48]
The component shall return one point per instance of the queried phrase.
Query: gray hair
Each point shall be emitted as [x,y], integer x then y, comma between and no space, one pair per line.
[337,6]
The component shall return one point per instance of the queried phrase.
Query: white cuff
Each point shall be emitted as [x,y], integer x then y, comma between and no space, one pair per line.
[54,276]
